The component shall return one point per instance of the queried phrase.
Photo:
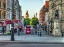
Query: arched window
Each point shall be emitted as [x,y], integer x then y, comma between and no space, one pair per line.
[57,14]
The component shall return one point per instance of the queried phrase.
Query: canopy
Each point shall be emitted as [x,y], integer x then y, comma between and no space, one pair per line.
[7,21]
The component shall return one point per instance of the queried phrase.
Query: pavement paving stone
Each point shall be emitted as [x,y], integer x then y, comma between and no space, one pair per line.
[33,38]
[33,45]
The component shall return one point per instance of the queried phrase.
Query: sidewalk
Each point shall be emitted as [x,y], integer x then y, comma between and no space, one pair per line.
[33,38]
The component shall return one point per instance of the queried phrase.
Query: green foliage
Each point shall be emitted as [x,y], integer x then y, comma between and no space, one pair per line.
[26,21]
[34,21]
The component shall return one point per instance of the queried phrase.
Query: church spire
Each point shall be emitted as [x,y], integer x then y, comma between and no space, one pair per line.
[27,15]
[34,15]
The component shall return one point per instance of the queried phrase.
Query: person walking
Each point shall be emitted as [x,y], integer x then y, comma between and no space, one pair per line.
[19,27]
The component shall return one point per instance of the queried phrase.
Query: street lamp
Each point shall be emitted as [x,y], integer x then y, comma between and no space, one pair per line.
[12,26]
[19,18]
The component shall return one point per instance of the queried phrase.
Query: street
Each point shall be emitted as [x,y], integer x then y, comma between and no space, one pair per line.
[32,45]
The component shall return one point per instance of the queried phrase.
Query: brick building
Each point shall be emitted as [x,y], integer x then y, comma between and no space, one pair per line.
[43,11]
[42,15]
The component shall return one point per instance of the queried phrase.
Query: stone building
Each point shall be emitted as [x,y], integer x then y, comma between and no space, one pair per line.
[6,13]
[2,9]
[56,14]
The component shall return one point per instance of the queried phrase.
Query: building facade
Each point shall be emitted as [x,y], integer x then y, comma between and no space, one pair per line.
[22,19]
[2,14]
[56,13]
[2,9]
[6,12]
[42,15]
[47,16]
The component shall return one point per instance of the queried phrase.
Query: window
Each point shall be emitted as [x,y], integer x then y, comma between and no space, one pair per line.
[0,3]
[0,14]
[3,15]
[4,5]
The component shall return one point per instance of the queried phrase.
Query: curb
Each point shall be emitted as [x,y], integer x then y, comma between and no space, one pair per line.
[23,42]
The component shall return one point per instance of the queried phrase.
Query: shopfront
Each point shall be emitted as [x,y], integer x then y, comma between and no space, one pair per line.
[2,28]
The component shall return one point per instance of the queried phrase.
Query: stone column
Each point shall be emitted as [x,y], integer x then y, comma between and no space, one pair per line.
[56,30]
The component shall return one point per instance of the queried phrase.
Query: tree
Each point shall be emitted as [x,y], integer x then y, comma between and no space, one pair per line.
[34,21]
[26,21]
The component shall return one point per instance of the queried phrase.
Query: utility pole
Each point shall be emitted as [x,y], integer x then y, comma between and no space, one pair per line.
[12,26]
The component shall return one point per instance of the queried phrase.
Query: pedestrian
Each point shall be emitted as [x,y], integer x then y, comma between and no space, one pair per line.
[19,27]
[3,30]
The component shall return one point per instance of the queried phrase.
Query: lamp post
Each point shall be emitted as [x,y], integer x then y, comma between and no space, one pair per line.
[12,26]
[19,18]
[61,19]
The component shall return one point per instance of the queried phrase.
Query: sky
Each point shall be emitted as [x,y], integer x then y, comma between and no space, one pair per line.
[33,6]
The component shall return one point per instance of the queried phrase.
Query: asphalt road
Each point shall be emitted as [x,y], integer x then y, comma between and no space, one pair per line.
[31,45]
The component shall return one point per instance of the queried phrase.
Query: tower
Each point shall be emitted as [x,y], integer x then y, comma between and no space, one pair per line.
[27,15]
[36,15]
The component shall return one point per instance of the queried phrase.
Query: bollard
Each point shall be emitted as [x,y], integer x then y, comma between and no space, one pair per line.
[19,32]
[38,33]
[12,34]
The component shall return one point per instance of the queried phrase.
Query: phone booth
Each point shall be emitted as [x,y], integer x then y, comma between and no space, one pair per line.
[28,30]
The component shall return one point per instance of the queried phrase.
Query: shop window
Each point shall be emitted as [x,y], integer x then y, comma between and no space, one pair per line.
[0,29]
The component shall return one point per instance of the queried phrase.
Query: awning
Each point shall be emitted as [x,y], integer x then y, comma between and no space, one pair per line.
[1,23]
[7,21]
